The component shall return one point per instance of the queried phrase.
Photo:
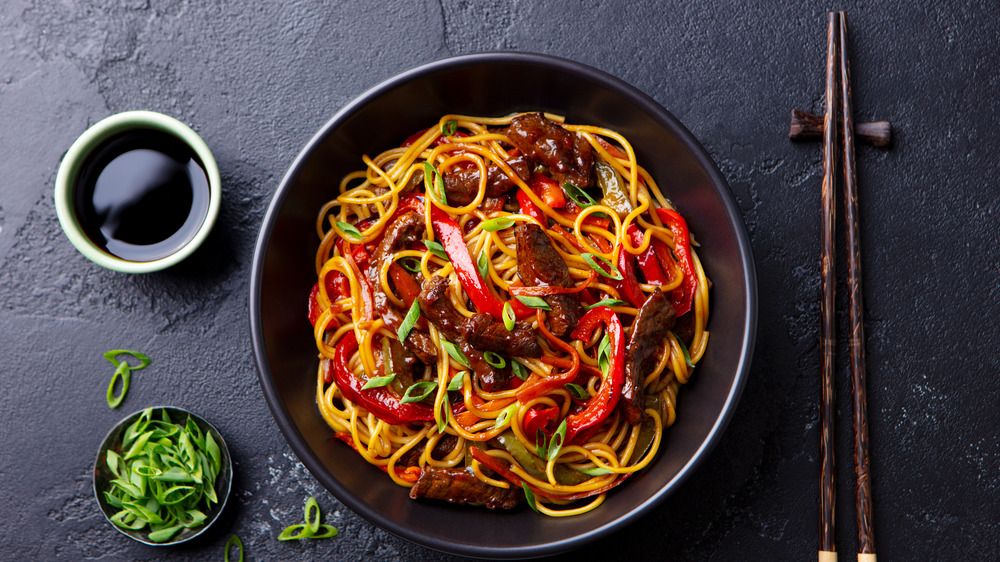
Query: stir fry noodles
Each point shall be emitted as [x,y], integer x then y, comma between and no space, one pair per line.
[504,311]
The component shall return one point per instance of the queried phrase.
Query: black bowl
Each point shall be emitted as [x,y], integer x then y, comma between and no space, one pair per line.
[496,84]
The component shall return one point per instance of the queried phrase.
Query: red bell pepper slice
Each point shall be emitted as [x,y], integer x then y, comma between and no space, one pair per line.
[648,260]
[682,297]
[548,190]
[628,286]
[529,208]
[451,237]
[378,401]
[600,407]
[538,418]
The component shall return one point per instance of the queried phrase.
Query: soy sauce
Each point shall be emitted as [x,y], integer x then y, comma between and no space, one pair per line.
[142,195]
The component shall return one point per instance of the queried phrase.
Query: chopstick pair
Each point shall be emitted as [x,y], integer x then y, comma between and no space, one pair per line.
[838,89]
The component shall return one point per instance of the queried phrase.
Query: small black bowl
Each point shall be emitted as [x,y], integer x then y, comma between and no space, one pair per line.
[496,84]
[103,475]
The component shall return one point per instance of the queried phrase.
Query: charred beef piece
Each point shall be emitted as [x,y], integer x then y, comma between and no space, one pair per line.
[462,487]
[441,448]
[406,229]
[436,307]
[462,184]
[567,155]
[487,334]
[539,264]
[654,321]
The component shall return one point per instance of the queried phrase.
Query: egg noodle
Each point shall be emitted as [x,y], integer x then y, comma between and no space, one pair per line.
[496,435]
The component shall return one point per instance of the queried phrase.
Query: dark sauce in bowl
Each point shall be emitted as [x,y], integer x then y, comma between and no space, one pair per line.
[142,195]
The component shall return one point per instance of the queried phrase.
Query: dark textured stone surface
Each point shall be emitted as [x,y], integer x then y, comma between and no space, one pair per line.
[256,79]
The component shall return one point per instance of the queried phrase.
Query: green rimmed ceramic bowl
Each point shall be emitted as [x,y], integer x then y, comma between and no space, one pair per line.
[92,140]
[103,475]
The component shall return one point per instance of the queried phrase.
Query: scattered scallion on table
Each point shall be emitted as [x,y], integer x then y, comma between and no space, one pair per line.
[123,372]
[311,528]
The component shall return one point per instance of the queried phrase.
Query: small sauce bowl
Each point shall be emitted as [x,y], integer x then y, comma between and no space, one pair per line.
[90,156]
[103,475]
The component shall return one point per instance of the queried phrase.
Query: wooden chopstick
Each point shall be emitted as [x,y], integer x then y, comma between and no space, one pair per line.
[828,283]
[863,496]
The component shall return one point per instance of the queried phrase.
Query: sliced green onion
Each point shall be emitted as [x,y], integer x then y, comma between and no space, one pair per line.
[112,356]
[124,374]
[418,391]
[534,302]
[495,359]
[508,316]
[499,223]
[577,391]
[594,471]
[606,302]
[529,497]
[442,417]
[312,515]
[436,248]
[164,535]
[295,532]
[310,528]
[482,265]
[233,541]
[610,273]
[455,353]
[378,382]
[410,264]
[579,196]
[435,185]
[165,480]
[409,321]
[520,371]
[449,127]
[505,415]
[555,445]
[457,381]
[541,443]
[684,350]
[350,230]
[604,355]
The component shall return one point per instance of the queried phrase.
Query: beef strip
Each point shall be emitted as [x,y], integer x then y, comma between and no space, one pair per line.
[436,307]
[462,184]
[487,334]
[441,448]
[406,229]
[568,156]
[462,487]
[539,264]
[654,321]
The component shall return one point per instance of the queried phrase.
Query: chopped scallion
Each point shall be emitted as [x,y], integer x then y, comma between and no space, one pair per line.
[534,302]
[610,273]
[436,248]
[350,231]
[418,391]
[499,223]
[409,321]
[508,316]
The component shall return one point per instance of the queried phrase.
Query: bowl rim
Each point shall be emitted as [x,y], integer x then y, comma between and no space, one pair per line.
[84,146]
[227,469]
[647,105]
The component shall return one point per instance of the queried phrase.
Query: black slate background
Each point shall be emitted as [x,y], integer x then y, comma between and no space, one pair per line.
[257,78]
